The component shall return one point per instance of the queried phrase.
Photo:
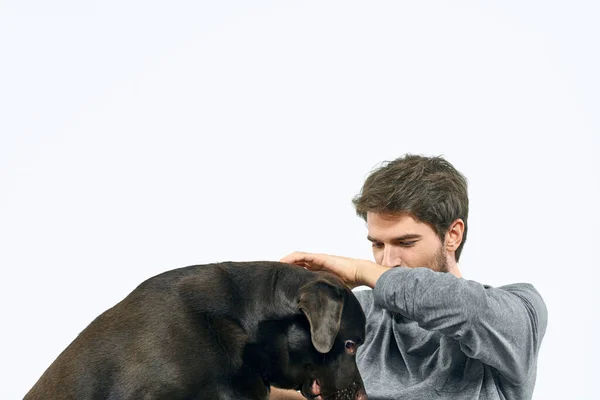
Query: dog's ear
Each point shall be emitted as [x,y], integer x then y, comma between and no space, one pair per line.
[322,303]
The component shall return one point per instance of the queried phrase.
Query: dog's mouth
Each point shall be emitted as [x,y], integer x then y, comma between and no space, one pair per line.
[312,389]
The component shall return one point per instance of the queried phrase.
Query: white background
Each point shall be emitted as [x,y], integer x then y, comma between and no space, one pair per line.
[137,137]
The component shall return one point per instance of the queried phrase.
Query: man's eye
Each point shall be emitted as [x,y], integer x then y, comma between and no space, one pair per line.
[377,245]
[408,244]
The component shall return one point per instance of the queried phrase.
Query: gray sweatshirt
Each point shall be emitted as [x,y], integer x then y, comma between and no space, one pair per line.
[431,335]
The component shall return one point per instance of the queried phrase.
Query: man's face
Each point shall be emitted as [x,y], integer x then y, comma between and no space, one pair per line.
[401,240]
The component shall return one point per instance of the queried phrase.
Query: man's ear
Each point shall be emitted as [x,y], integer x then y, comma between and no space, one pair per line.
[454,235]
[322,303]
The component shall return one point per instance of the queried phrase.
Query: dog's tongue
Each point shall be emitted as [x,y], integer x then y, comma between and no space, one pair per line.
[315,388]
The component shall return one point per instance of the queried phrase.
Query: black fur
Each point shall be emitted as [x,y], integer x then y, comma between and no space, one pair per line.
[219,331]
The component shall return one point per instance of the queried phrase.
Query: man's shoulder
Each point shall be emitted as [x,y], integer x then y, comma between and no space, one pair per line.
[531,298]
[526,291]
[363,294]
[365,298]
[523,289]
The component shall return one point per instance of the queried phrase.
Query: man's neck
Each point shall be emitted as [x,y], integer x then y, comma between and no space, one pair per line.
[453,266]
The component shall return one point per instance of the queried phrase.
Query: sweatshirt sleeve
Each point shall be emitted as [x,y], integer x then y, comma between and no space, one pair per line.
[502,327]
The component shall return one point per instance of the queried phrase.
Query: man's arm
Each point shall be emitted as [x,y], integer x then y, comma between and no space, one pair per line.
[502,327]
[282,394]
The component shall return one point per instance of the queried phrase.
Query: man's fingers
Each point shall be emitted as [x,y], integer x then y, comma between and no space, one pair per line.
[310,261]
[344,268]
[290,258]
[297,257]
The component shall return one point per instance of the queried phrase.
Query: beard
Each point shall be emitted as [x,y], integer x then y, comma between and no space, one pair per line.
[439,262]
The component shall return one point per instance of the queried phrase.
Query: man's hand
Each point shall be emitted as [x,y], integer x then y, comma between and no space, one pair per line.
[282,394]
[354,272]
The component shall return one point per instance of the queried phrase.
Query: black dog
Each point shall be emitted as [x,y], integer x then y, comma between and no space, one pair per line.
[220,331]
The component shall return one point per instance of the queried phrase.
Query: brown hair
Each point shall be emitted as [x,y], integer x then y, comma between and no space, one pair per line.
[428,188]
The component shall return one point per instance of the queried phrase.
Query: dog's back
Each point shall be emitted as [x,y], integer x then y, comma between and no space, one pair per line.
[139,345]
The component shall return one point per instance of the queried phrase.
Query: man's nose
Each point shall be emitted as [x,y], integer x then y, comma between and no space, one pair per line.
[391,257]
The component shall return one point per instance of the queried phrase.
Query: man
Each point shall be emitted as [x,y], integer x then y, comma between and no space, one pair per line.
[430,333]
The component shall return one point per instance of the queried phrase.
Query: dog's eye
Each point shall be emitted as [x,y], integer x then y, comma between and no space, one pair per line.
[350,346]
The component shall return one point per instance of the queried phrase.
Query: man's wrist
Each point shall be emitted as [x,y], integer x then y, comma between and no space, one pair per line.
[370,272]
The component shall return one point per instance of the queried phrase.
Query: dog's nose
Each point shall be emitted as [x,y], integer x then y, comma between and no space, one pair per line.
[361,395]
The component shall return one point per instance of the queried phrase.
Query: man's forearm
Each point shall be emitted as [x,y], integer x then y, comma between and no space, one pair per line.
[370,273]
[282,394]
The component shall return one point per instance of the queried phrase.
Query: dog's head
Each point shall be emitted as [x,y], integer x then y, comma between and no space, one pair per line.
[322,346]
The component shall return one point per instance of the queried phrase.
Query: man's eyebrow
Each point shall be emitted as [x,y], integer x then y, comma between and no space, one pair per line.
[408,236]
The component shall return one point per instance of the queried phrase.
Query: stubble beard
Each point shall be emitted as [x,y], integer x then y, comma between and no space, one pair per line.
[439,261]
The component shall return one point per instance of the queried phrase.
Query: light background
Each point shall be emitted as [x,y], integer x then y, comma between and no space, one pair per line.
[137,137]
